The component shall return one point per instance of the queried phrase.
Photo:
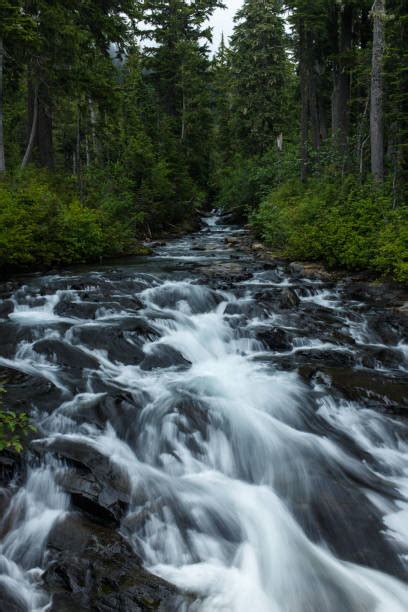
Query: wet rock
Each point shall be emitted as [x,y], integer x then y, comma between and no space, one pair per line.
[288,299]
[326,357]
[274,338]
[102,502]
[6,308]
[129,303]
[11,467]
[377,356]
[372,388]
[8,287]
[227,274]
[65,354]
[25,390]
[390,328]
[270,264]
[164,356]
[11,335]
[76,310]
[270,276]
[232,240]
[137,327]
[250,309]
[296,269]
[379,295]
[94,568]
[83,453]
[257,246]
[112,340]
[119,408]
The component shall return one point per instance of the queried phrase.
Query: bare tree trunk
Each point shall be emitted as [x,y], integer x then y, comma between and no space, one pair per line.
[341,82]
[96,148]
[2,157]
[183,109]
[314,111]
[33,131]
[376,110]
[303,101]
[322,119]
[45,129]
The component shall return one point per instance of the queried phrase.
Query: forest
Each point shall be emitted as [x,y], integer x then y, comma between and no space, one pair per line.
[119,123]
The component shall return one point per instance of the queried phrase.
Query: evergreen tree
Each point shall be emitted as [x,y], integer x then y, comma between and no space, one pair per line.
[259,73]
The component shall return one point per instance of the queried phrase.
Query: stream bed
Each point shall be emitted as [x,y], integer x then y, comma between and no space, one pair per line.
[214,432]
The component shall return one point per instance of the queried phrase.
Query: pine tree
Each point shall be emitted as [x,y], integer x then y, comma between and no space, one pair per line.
[259,70]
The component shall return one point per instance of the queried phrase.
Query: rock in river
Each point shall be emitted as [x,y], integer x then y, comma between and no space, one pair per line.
[94,568]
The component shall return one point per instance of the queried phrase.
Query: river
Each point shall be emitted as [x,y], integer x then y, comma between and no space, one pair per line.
[229,432]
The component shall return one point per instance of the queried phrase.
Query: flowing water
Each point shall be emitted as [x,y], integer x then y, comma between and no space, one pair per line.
[253,482]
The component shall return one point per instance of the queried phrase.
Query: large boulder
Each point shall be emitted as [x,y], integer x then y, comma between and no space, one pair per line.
[76,310]
[273,338]
[96,484]
[25,390]
[121,409]
[288,299]
[101,501]
[65,354]
[94,568]
[111,339]
[248,308]
[164,356]
[371,388]
[296,269]
[6,308]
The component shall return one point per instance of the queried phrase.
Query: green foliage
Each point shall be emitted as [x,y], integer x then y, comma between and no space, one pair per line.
[44,225]
[13,428]
[243,183]
[339,221]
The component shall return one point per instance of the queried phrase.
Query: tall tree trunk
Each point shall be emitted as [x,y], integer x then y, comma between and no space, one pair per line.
[341,78]
[376,103]
[2,157]
[313,104]
[322,118]
[33,130]
[183,107]
[39,104]
[45,128]
[303,100]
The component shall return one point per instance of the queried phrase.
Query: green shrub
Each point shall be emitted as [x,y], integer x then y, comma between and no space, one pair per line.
[339,221]
[13,428]
[42,222]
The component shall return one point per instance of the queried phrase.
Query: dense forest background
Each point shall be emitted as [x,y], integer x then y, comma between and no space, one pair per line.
[117,123]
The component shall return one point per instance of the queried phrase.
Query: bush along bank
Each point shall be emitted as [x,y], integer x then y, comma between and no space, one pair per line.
[43,222]
[338,221]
